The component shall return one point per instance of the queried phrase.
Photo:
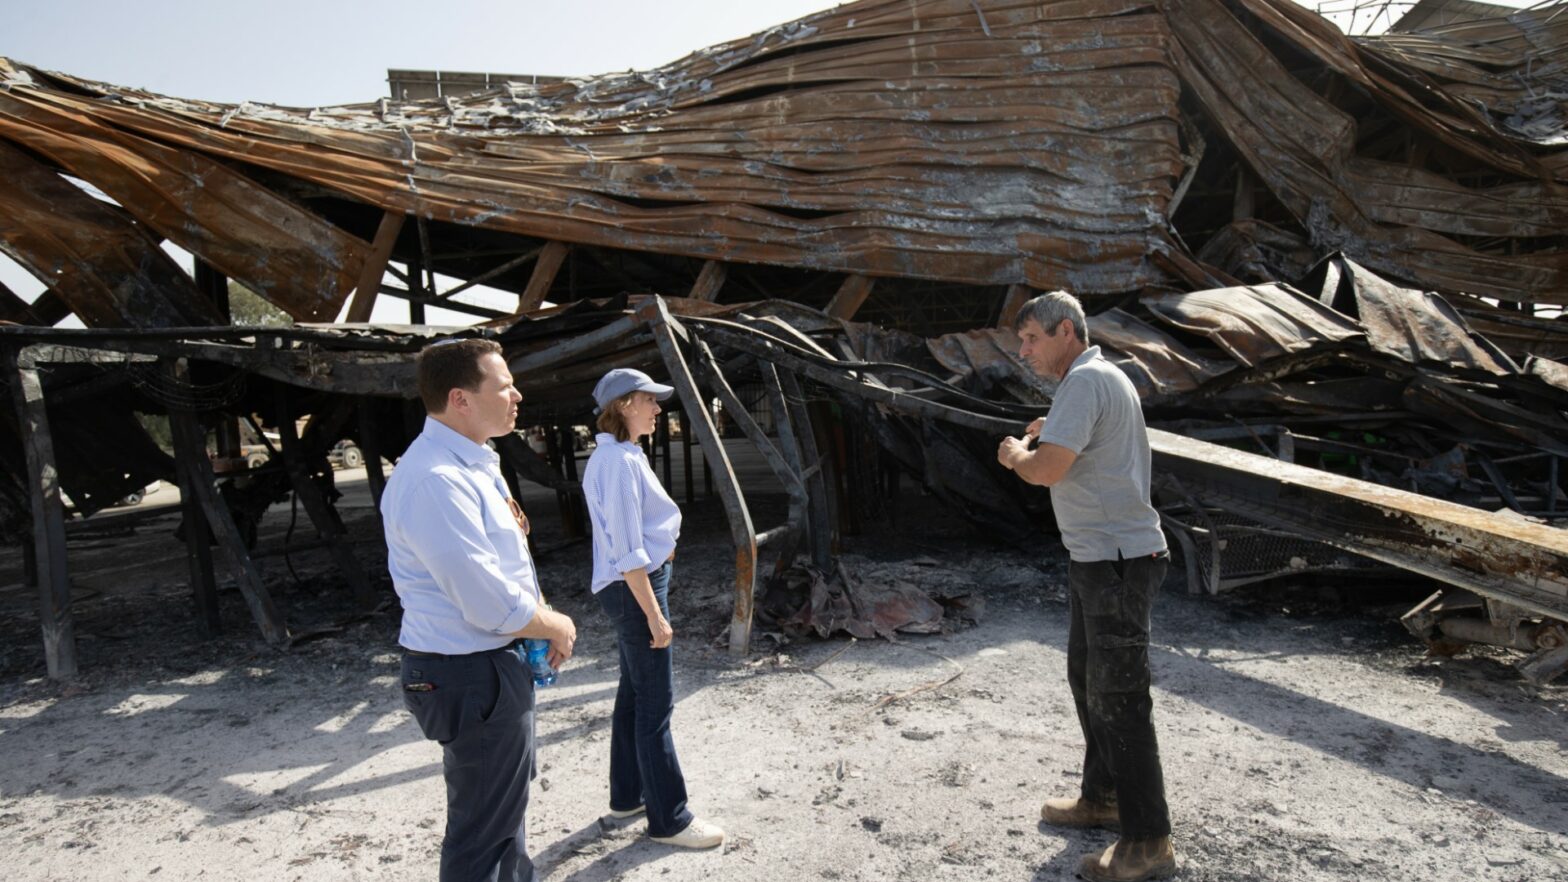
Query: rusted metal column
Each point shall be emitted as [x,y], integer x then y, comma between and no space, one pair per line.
[664,329]
[43,484]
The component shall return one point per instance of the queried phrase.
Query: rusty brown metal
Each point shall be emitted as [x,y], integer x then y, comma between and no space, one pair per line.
[658,320]
[1043,152]
[286,253]
[1031,144]
[1496,556]
[1397,220]
[93,257]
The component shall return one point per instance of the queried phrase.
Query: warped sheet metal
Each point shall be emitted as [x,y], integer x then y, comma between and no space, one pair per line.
[1256,323]
[1303,147]
[287,254]
[1158,364]
[1413,326]
[1030,143]
[1048,143]
[100,263]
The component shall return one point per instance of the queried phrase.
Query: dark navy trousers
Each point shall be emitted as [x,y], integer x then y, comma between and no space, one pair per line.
[1108,671]
[480,708]
[643,766]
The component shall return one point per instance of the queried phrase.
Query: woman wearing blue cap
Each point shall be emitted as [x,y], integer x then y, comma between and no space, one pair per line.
[635,526]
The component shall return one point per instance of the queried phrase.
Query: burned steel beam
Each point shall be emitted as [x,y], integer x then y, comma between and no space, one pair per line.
[663,326]
[776,459]
[563,352]
[1500,557]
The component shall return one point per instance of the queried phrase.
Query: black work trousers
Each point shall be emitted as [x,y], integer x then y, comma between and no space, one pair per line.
[1108,671]
[480,708]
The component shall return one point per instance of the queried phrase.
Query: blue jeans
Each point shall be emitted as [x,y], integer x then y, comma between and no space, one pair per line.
[643,767]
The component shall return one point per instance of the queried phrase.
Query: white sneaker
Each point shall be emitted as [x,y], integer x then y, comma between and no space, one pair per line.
[628,813]
[698,834]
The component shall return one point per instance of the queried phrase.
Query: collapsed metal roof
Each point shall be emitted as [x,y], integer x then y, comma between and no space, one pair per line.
[1283,235]
[1049,144]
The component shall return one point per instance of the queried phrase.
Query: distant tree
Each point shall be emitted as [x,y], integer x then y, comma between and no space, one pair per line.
[157,426]
[246,307]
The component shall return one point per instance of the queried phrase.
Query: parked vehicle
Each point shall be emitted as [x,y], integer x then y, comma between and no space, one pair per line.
[345,455]
[136,496]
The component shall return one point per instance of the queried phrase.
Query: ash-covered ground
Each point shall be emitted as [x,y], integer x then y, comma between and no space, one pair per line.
[1305,735]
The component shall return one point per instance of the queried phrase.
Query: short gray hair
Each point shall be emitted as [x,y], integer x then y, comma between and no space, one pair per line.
[1049,309]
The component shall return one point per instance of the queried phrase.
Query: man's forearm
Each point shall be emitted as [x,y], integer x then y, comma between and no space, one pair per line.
[547,624]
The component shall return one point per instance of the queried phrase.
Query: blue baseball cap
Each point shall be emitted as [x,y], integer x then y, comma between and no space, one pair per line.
[622,381]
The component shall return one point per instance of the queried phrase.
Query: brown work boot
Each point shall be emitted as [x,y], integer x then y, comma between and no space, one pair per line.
[1130,860]
[1069,812]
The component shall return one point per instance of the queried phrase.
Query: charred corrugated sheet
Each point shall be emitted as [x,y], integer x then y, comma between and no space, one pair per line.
[1365,154]
[1030,142]
[97,260]
[985,144]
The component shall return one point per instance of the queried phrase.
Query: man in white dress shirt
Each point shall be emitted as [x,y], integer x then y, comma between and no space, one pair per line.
[458,556]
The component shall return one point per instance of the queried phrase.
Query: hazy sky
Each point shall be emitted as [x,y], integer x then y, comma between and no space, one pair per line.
[321,52]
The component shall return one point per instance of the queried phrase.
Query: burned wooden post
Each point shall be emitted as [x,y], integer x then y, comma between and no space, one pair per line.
[375,266]
[1017,296]
[198,545]
[309,494]
[658,319]
[190,451]
[789,445]
[43,484]
[370,443]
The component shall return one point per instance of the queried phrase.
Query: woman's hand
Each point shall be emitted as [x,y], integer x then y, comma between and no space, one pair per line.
[662,632]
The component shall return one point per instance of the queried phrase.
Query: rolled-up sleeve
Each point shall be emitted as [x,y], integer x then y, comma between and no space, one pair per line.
[623,518]
[445,527]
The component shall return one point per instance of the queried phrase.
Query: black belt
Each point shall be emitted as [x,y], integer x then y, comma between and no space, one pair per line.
[417,653]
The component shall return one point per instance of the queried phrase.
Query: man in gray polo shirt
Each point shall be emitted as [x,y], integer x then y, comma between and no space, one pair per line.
[1094,455]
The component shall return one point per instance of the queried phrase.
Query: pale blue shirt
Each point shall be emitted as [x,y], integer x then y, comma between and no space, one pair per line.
[1102,503]
[635,522]
[458,559]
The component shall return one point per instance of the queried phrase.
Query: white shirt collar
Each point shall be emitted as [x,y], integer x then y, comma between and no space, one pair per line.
[464,449]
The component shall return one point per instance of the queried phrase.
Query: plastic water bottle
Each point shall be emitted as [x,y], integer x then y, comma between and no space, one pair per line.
[536,651]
